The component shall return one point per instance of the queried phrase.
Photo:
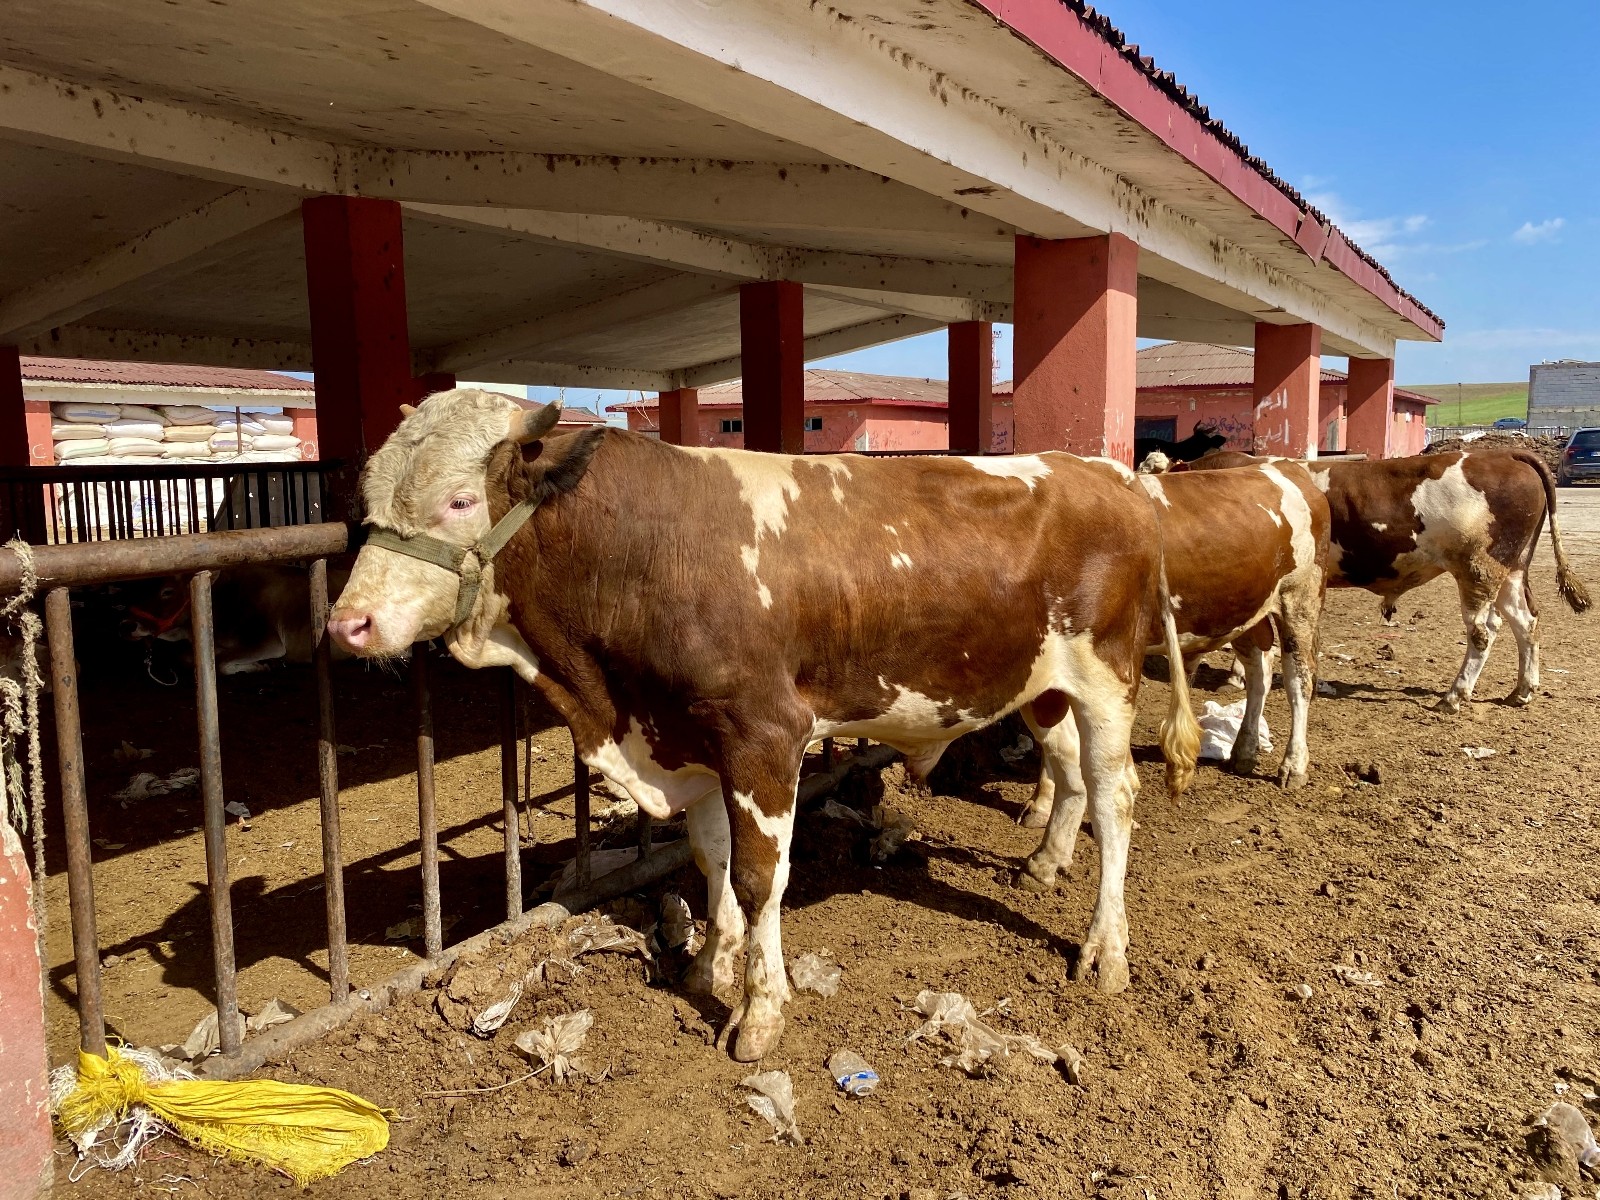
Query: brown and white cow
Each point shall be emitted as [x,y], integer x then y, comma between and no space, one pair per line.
[1245,552]
[698,616]
[1474,515]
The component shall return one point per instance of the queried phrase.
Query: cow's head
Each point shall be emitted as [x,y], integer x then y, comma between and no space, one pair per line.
[1208,439]
[157,608]
[429,489]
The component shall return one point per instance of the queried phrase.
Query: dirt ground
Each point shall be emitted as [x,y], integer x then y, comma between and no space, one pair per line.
[1465,887]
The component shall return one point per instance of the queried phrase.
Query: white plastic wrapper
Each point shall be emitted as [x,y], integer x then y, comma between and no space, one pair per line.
[1219,729]
[774,1100]
[556,1046]
[813,973]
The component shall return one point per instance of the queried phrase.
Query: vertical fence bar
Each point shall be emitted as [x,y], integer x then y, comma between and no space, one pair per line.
[508,794]
[216,818]
[328,773]
[644,827]
[827,753]
[580,815]
[427,815]
[75,811]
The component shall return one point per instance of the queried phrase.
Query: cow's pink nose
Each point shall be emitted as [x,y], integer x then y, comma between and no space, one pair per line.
[352,630]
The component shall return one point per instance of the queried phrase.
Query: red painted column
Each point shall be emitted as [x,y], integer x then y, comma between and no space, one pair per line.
[1076,313]
[360,348]
[680,416]
[427,384]
[772,351]
[1288,370]
[305,428]
[13,411]
[1369,407]
[41,442]
[24,1091]
[971,361]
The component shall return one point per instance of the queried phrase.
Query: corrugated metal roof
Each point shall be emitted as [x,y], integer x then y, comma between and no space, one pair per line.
[832,387]
[169,375]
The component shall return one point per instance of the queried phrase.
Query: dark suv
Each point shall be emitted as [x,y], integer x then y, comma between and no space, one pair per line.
[1581,459]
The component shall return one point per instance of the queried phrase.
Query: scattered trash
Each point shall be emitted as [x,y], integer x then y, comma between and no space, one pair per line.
[105,845]
[851,1072]
[1344,658]
[1478,752]
[894,830]
[1072,1064]
[1538,1191]
[235,809]
[978,1044]
[1324,688]
[1219,727]
[1572,1127]
[774,1100]
[556,1046]
[113,1107]
[677,931]
[1301,991]
[274,1012]
[1354,977]
[490,1019]
[812,973]
[1012,755]
[839,812]
[128,752]
[144,785]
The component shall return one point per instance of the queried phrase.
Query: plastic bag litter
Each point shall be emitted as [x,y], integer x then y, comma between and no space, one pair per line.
[1016,753]
[840,812]
[1219,728]
[676,930]
[1478,752]
[852,1073]
[587,934]
[813,973]
[1572,1127]
[978,1044]
[235,809]
[203,1041]
[601,862]
[490,1019]
[1353,977]
[273,1012]
[774,1100]
[556,1046]
[113,1107]
[894,830]
[128,752]
[144,785]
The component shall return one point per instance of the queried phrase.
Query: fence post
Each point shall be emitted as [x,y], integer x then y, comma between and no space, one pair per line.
[328,776]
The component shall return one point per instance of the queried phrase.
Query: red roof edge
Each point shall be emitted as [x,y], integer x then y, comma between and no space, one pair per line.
[1085,43]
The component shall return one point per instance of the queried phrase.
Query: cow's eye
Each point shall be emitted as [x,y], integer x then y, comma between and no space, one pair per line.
[462,503]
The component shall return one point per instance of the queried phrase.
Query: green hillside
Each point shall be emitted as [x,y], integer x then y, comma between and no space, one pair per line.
[1473,403]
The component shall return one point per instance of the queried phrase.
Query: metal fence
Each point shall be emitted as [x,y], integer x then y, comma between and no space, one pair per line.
[74,504]
[1443,433]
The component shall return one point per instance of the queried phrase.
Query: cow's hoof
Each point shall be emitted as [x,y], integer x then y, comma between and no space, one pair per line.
[1291,780]
[1243,764]
[758,1035]
[1520,699]
[1034,879]
[1107,966]
[1448,705]
[1035,816]
[701,977]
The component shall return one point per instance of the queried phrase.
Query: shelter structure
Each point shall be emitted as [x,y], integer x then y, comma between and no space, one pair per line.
[660,196]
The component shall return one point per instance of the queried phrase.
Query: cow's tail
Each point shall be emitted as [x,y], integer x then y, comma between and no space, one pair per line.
[1180,732]
[1569,585]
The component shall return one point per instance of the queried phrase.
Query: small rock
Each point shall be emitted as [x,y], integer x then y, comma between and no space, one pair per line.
[367,1044]
[1301,992]
[1424,1058]
[1538,1191]
[110,961]
[919,1194]
[1386,653]
[1330,889]
[574,1152]
[1366,771]
[1207,961]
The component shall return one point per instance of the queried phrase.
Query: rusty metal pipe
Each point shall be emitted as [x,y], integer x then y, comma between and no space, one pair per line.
[328,775]
[146,558]
[427,813]
[508,794]
[75,812]
[645,828]
[216,817]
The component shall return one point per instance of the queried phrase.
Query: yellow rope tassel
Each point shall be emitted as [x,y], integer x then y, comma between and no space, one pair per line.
[305,1132]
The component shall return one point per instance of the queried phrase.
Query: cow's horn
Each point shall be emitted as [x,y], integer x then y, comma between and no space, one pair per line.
[531,424]
[407,409]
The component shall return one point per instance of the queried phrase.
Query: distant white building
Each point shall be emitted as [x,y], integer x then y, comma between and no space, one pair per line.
[1564,393]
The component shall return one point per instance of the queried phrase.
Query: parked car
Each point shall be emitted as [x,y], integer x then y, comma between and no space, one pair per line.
[1581,459]
[1510,423]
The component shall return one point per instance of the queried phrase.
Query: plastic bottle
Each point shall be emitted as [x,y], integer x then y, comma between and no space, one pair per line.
[852,1073]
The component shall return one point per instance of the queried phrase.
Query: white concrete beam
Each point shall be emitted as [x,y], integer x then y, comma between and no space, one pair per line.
[821,345]
[662,244]
[135,345]
[944,309]
[811,75]
[521,340]
[182,245]
[576,375]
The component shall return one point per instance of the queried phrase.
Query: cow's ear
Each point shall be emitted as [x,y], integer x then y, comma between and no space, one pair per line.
[407,409]
[547,469]
[530,424]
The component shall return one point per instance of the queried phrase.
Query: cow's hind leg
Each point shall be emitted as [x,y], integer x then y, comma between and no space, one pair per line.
[1515,603]
[760,811]
[1060,773]
[1105,725]
[1482,622]
[1251,648]
[1036,812]
[714,968]
[1297,631]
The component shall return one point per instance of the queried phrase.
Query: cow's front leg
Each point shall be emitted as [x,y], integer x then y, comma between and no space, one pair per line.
[714,968]
[761,819]
[1058,750]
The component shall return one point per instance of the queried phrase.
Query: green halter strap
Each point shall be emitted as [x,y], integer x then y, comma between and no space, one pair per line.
[466,562]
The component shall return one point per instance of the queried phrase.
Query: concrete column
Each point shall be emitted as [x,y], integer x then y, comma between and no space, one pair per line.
[1076,314]
[1288,369]
[772,361]
[305,428]
[13,411]
[24,1092]
[680,416]
[1369,406]
[360,347]
[971,361]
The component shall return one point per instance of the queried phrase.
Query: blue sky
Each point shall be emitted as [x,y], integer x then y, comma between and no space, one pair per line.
[1458,142]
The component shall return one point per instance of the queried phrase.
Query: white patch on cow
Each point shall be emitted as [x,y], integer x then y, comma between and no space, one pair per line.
[751,557]
[1123,470]
[504,647]
[1380,526]
[777,828]
[1152,485]
[1029,468]
[1455,518]
[1301,539]
[1176,601]
[1276,519]
[1321,478]
[837,467]
[899,559]
[892,530]
[654,788]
